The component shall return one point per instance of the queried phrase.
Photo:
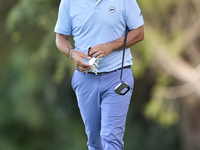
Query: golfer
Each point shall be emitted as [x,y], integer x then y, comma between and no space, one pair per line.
[100,24]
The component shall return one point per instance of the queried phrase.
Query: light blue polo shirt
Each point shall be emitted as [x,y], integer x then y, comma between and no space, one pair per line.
[94,22]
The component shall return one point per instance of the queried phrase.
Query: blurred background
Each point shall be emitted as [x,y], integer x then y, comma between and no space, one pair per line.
[38,109]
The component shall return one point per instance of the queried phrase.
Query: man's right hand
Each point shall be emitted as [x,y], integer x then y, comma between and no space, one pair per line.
[77,57]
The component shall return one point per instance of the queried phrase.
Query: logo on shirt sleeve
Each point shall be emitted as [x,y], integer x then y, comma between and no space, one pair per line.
[112,9]
[140,13]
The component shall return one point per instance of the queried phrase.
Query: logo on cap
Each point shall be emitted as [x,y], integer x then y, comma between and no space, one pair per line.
[112,9]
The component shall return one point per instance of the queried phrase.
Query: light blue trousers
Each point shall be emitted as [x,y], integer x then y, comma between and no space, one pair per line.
[102,110]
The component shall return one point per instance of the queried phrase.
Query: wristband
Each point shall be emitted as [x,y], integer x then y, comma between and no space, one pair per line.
[70,53]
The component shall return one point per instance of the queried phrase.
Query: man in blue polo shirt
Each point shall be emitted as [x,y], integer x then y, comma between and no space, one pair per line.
[100,24]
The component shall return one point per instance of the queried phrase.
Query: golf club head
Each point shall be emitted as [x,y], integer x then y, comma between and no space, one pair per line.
[122,88]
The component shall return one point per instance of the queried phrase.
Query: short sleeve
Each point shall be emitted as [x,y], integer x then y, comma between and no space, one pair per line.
[63,24]
[133,14]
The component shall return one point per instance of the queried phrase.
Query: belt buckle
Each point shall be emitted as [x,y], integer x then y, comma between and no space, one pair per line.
[101,73]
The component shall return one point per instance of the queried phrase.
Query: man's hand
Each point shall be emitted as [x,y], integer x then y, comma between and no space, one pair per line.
[100,50]
[80,64]
[134,36]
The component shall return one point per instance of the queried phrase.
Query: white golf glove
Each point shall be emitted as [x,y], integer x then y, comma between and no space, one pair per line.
[93,62]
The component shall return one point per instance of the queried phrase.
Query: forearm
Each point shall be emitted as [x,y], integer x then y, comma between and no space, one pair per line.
[101,50]
[62,43]
[133,37]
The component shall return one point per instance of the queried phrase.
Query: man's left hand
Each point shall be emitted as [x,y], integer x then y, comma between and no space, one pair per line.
[100,50]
